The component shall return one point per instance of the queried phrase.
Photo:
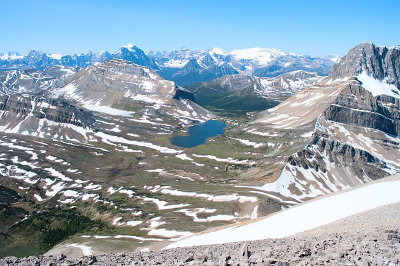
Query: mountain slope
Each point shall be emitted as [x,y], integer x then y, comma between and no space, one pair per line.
[303,216]
[92,157]
[41,117]
[117,82]
[33,81]
[239,94]
[355,139]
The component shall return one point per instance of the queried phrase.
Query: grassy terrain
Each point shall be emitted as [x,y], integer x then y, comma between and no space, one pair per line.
[106,165]
[42,230]
[230,103]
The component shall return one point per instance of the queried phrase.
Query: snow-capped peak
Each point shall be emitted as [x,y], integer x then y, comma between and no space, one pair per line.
[55,56]
[334,58]
[262,55]
[217,50]
[129,45]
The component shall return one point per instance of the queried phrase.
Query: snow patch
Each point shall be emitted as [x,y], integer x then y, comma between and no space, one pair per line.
[107,110]
[377,87]
[86,250]
[305,216]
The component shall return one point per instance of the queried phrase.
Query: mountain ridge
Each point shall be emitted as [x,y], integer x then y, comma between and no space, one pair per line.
[182,66]
[355,137]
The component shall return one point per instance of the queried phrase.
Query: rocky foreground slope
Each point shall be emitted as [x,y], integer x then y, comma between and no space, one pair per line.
[369,238]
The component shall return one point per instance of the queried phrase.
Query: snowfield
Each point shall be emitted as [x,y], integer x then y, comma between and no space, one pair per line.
[377,87]
[107,110]
[305,216]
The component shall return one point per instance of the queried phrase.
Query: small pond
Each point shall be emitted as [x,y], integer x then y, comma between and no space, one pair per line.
[198,134]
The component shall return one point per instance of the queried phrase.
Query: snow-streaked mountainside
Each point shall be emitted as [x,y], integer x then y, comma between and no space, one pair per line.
[240,94]
[182,66]
[20,81]
[117,81]
[102,88]
[305,216]
[279,87]
[356,116]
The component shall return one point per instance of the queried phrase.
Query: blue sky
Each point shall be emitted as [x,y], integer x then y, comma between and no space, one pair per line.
[316,28]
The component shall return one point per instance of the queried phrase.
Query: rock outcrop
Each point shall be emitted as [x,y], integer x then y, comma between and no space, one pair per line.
[382,63]
[355,105]
[33,81]
[38,116]
[42,108]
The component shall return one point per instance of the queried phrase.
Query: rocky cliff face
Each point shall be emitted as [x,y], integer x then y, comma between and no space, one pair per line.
[39,116]
[382,63]
[356,106]
[33,81]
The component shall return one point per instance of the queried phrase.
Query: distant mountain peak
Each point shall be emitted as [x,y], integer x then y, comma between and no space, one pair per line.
[262,55]
[129,45]
[334,58]
[217,50]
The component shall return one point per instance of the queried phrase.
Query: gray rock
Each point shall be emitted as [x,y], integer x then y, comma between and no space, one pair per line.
[379,62]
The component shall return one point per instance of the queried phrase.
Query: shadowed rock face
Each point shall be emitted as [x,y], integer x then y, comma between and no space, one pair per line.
[136,55]
[183,94]
[357,106]
[380,62]
[360,161]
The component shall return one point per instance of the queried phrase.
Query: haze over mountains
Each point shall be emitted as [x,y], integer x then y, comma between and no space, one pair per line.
[85,140]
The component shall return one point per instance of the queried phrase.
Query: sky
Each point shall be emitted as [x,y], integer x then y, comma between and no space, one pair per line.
[311,27]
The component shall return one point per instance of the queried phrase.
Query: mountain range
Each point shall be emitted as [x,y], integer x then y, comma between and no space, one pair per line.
[183,66]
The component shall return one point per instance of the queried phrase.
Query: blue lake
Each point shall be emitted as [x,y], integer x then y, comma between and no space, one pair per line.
[198,134]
